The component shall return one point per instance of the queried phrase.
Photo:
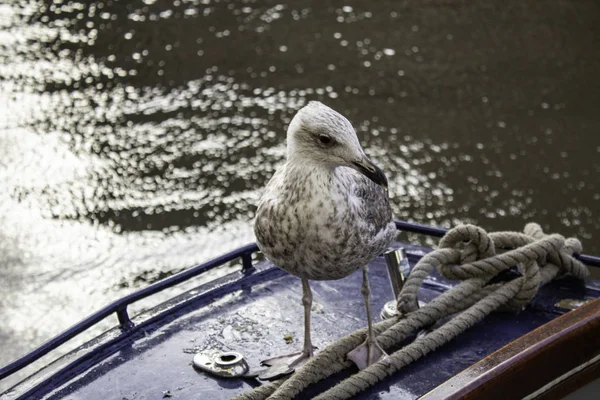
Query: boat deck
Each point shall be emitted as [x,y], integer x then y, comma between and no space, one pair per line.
[256,312]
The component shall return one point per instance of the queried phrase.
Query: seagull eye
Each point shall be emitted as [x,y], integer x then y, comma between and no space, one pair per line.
[325,139]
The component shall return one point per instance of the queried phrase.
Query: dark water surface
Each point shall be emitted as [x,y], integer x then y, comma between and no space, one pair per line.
[135,136]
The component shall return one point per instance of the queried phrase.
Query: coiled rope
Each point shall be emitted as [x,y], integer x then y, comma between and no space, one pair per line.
[466,253]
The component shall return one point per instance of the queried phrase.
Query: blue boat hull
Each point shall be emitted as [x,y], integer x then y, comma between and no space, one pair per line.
[255,312]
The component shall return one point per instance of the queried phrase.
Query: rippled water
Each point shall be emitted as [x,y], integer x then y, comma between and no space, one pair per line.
[135,137]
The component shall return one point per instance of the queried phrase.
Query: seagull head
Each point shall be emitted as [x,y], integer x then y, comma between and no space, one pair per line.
[320,134]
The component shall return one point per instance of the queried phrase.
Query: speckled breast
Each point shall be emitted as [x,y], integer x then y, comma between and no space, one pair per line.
[321,245]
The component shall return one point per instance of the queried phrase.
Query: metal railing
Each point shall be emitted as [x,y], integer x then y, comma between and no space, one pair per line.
[119,307]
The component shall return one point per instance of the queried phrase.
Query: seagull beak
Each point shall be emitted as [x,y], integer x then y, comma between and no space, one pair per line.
[371,171]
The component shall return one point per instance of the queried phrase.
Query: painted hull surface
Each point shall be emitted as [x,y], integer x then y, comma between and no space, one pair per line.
[256,312]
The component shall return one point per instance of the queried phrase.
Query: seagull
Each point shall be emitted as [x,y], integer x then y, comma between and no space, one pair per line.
[323,215]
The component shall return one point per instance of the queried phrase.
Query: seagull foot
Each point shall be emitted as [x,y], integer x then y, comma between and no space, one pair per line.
[369,352]
[283,365]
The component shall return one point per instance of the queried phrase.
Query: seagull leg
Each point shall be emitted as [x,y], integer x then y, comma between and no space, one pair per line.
[284,365]
[307,298]
[369,352]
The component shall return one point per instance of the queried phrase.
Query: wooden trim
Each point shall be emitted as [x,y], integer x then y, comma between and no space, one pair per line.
[532,361]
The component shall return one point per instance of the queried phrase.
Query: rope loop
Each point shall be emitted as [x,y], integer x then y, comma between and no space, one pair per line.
[476,244]
[528,251]
[562,259]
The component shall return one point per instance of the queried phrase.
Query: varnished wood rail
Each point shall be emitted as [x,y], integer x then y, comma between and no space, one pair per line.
[549,362]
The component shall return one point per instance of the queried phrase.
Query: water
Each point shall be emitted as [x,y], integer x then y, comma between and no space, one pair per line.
[135,137]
